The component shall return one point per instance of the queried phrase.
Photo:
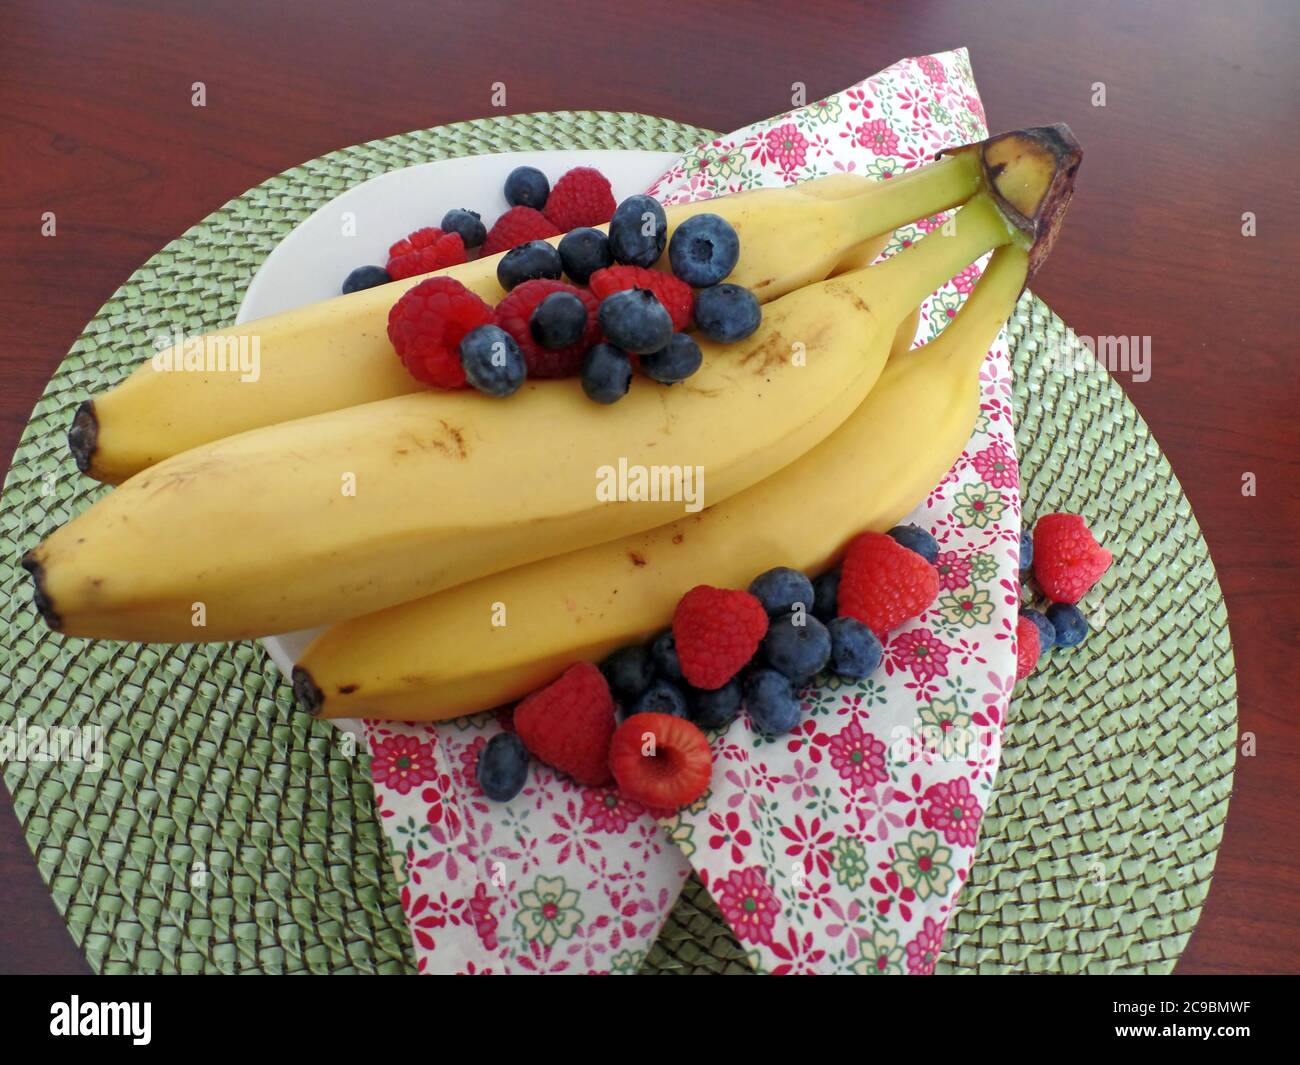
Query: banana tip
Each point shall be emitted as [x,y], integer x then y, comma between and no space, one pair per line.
[44,604]
[310,698]
[83,435]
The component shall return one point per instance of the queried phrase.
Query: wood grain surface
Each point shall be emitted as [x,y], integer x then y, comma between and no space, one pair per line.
[1199,126]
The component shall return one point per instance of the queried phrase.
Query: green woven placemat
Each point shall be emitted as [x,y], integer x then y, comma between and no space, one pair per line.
[227,833]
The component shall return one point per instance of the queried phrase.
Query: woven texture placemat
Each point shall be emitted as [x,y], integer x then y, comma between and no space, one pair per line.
[227,833]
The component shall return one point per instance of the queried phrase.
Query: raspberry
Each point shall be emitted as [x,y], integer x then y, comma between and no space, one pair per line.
[426,326]
[1028,647]
[1067,559]
[883,583]
[424,251]
[582,197]
[716,631]
[518,225]
[661,761]
[675,295]
[515,310]
[568,724]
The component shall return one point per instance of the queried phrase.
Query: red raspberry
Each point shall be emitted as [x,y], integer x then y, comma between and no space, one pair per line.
[676,295]
[883,583]
[674,775]
[568,724]
[582,197]
[512,315]
[717,631]
[424,251]
[426,326]
[1028,647]
[518,226]
[1067,559]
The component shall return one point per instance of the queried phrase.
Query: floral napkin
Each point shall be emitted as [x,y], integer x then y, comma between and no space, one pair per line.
[839,848]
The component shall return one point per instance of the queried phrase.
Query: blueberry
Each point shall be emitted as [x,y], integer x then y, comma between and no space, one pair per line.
[662,697]
[855,650]
[769,698]
[914,538]
[524,262]
[704,250]
[676,362]
[606,373]
[797,645]
[629,672]
[638,231]
[365,277]
[826,594]
[583,252]
[636,321]
[1046,630]
[663,652]
[779,589]
[1026,550]
[527,187]
[1070,625]
[727,313]
[716,709]
[492,360]
[467,223]
[502,767]
[558,321]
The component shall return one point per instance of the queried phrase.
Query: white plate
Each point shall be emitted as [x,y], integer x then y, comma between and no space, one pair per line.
[310,263]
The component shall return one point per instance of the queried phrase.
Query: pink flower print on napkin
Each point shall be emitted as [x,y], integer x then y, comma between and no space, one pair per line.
[953,810]
[748,904]
[402,763]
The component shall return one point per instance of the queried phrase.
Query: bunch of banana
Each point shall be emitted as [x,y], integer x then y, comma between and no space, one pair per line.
[335,354]
[313,521]
[493,640]
[329,517]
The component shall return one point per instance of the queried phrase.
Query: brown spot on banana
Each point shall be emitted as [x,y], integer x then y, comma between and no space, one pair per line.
[773,352]
[450,441]
[457,437]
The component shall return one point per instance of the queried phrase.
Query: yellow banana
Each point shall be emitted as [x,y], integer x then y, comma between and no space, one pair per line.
[450,654]
[312,521]
[336,353]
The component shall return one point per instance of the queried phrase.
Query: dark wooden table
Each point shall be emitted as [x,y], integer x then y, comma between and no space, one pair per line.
[1199,127]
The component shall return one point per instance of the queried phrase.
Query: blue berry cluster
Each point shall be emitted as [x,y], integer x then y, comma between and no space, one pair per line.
[703,250]
[804,637]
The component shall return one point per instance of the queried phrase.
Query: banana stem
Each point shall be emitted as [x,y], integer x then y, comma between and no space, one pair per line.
[883,206]
[997,290]
[905,279]
[969,335]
